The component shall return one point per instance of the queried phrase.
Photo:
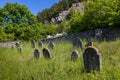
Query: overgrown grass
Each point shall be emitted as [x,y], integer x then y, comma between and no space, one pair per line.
[23,66]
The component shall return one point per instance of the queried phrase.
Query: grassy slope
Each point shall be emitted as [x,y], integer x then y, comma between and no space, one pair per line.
[22,66]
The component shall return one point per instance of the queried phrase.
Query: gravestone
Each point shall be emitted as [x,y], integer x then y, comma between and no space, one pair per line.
[33,43]
[77,43]
[74,55]
[92,59]
[18,44]
[90,43]
[36,53]
[20,48]
[40,44]
[98,34]
[46,53]
[13,46]
[51,45]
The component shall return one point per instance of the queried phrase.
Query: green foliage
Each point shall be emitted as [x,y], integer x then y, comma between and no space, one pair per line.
[64,26]
[19,23]
[97,14]
[49,29]
[4,36]
[76,23]
[23,66]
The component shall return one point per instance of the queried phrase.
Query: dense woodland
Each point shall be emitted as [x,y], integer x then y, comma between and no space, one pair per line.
[18,23]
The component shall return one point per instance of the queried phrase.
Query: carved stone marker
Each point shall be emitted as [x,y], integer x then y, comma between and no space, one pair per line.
[92,59]
[40,44]
[18,44]
[13,46]
[36,53]
[51,45]
[77,43]
[98,34]
[33,43]
[90,43]
[46,53]
[74,55]
[20,49]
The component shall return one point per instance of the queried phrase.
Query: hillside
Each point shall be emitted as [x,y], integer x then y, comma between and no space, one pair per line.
[55,10]
[18,23]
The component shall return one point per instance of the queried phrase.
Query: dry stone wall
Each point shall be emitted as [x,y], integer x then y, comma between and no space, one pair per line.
[98,34]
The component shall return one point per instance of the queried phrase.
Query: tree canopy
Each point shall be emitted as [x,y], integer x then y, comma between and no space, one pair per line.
[97,14]
[18,21]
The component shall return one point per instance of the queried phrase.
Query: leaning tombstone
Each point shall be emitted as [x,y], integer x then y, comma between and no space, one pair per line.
[77,43]
[33,43]
[92,59]
[36,53]
[74,55]
[40,44]
[51,45]
[46,53]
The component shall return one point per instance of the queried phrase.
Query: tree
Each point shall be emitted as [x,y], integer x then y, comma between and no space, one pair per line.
[17,19]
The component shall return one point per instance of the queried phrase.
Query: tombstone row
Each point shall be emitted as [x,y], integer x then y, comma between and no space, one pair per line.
[91,55]
[77,42]
[46,53]
[51,44]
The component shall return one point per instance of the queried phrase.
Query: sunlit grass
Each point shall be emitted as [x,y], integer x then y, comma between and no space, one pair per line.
[23,66]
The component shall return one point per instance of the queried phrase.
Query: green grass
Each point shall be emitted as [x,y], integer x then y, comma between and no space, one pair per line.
[23,66]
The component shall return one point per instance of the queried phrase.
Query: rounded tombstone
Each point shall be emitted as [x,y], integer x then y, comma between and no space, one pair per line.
[77,43]
[51,45]
[36,53]
[46,53]
[40,44]
[13,46]
[92,59]
[74,55]
[20,49]
[17,44]
[90,43]
[33,43]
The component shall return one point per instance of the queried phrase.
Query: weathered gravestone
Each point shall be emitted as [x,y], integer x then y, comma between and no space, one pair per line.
[77,43]
[98,34]
[33,43]
[36,53]
[13,46]
[92,59]
[40,44]
[18,44]
[20,49]
[90,43]
[74,55]
[46,53]
[51,45]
